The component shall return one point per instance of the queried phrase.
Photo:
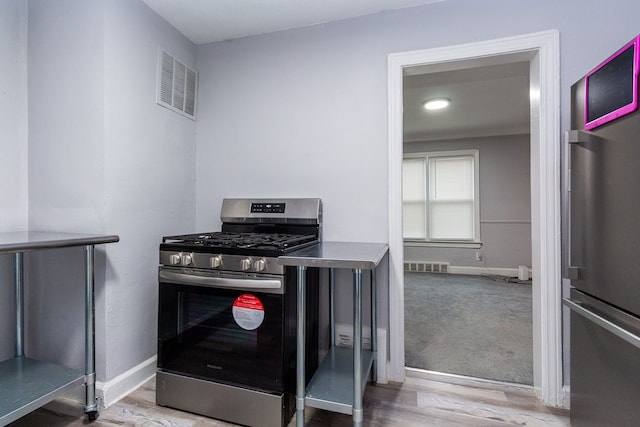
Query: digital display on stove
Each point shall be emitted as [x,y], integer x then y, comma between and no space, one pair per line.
[267,207]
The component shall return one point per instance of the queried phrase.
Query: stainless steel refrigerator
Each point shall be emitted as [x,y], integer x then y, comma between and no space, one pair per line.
[604,255]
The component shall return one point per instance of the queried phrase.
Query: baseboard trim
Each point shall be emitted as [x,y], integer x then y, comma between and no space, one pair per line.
[118,387]
[565,397]
[453,269]
[477,271]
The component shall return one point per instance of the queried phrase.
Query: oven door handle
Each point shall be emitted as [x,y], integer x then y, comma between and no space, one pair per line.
[219,282]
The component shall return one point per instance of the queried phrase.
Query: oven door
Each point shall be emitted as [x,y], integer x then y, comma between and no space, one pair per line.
[222,327]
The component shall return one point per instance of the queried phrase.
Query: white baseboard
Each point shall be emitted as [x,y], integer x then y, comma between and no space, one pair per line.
[510,272]
[118,387]
[445,267]
[565,397]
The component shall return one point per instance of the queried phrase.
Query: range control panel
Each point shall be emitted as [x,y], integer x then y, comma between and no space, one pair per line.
[267,207]
[206,261]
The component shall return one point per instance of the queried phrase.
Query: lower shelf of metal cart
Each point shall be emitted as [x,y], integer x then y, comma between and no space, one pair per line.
[27,384]
[331,388]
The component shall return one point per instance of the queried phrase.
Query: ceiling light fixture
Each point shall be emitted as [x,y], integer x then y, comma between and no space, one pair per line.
[436,103]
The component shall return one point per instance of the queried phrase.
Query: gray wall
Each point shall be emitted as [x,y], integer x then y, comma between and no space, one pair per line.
[150,175]
[505,203]
[304,112]
[312,103]
[66,172]
[103,158]
[13,150]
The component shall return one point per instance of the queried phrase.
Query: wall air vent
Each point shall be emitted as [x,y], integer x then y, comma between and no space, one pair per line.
[177,85]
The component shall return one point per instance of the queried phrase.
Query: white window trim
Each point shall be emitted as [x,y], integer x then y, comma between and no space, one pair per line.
[412,243]
[473,242]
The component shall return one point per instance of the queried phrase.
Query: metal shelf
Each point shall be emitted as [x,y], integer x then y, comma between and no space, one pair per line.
[331,388]
[26,384]
[341,378]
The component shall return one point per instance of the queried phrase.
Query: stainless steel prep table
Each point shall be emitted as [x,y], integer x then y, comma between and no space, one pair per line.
[25,383]
[339,383]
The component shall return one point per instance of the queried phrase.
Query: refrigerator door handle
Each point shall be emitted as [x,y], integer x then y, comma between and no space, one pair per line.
[632,339]
[573,273]
[578,136]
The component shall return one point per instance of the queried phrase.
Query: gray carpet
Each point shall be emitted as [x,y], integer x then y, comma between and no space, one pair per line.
[469,325]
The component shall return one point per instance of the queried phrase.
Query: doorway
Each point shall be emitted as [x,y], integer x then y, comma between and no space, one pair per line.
[467,219]
[541,50]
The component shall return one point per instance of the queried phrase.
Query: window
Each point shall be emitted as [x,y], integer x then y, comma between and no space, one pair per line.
[440,196]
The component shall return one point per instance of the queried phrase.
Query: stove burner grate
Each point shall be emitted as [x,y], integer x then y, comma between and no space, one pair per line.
[247,240]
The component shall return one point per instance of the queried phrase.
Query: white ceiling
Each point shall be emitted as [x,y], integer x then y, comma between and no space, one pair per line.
[489,97]
[486,100]
[206,21]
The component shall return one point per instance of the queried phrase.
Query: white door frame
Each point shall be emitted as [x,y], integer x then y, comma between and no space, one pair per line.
[543,48]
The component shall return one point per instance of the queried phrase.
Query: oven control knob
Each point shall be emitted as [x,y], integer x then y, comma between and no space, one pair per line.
[245,264]
[260,264]
[175,259]
[216,261]
[187,259]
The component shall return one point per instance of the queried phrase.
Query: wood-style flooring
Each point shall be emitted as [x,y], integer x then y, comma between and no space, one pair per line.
[424,399]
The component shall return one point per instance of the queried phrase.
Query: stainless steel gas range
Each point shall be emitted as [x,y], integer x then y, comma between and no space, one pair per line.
[227,313]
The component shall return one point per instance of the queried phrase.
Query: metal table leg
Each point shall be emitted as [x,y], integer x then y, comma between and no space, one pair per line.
[374,327]
[300,368]
[19,303]
[357,347]
[91,407]
[332,308]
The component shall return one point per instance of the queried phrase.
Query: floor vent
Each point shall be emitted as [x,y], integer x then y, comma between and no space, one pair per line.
[426,266]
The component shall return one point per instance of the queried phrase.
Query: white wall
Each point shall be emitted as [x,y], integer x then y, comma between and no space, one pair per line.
[105,158]
[13,150]
[304,112]
[296,113]
[66,168]
[505,204]
[289,116]
[13,114]
[149,174]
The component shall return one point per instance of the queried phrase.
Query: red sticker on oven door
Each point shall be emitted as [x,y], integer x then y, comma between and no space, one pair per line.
[248,312]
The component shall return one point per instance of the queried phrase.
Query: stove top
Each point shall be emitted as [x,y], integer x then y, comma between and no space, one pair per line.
[267,244]
[265,228]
